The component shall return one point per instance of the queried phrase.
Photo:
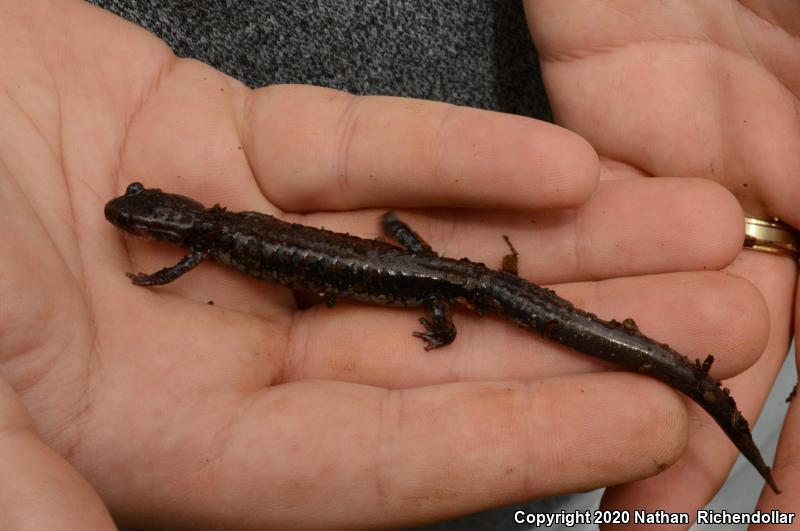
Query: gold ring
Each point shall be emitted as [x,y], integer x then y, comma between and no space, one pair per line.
[771,237]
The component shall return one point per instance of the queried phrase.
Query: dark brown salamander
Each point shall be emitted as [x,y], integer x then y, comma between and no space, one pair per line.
[339,265]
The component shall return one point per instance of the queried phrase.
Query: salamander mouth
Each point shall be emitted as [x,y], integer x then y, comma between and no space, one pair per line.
[122,218]
[152,233]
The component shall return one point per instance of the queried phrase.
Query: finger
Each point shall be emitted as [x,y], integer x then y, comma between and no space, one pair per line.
[39,489]
[786,469]
[339,456]
[629,227]
[709,457]
[312,148]
[696,313]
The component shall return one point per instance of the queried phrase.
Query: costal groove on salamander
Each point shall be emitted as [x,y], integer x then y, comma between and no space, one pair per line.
[339,265]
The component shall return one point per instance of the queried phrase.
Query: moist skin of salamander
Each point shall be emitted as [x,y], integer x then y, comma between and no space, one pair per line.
[336,265]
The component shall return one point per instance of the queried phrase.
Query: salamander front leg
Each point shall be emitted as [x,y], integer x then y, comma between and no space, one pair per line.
[394,228]
[440,330]
[168,274]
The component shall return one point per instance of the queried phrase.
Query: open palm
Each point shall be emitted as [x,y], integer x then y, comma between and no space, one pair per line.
[696,89]
[251,412]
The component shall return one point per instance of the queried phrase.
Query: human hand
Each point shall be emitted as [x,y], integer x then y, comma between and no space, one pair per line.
[693,89]
[255,413]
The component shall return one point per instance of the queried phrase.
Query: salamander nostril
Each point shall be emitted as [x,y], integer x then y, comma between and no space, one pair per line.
[124,214]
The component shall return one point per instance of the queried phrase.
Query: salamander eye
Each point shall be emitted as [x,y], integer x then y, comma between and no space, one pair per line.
[134,188]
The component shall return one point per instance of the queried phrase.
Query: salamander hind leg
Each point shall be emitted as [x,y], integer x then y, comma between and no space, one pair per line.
[510,261]
[440,330]
[394,228]
[168,274]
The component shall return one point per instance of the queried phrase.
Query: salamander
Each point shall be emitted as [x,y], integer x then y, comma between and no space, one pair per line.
[335,265]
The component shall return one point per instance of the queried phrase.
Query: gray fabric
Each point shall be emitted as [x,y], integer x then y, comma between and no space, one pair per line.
[468,52]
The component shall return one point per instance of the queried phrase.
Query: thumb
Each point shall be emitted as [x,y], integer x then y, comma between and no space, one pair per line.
[40,490]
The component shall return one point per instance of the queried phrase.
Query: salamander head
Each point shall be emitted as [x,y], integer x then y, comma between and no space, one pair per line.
[151,213]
